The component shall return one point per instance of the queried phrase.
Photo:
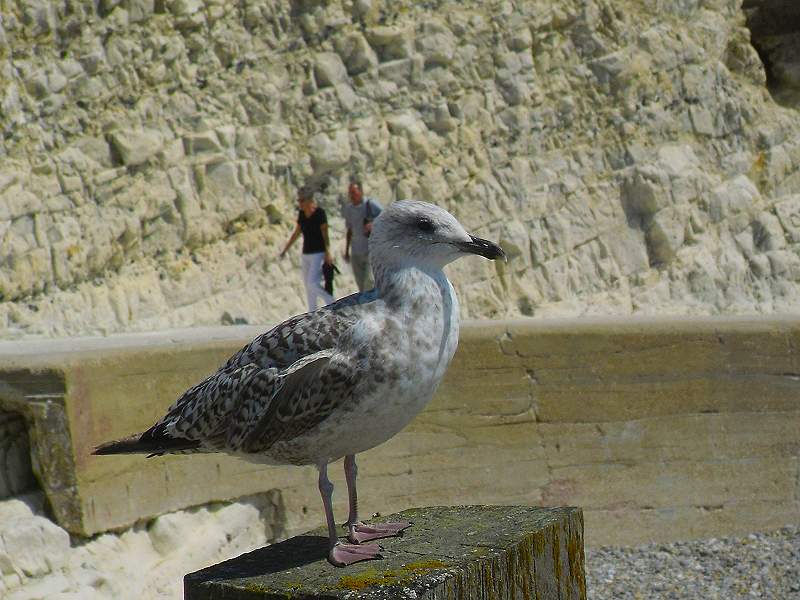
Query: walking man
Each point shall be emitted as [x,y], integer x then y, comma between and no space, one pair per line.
[312,222]
[358,214]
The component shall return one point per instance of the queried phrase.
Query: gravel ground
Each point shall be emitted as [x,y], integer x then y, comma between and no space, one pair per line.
[762,565]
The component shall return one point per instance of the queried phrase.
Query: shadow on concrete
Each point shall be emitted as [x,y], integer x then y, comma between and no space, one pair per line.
[295,552]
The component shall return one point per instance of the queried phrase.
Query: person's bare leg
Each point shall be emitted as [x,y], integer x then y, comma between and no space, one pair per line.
[358,531]
[341,554]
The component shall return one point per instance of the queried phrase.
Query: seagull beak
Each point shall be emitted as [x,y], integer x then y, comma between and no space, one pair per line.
[481,247]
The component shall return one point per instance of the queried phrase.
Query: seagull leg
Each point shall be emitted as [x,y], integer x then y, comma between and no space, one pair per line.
[341,554]
[358,531]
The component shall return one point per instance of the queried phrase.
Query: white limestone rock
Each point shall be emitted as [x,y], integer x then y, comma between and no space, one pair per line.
[628,248]
[768,234]
[356,53]
[646,191]
[617,140]
[39,15]
[140,10]
[329,151]
[184,8]
[788,212]
[33,546]
[436,43]
[329,70]
[111,565]
[666,234]
[391,42]
[137,146]
[736,199]
[16,201]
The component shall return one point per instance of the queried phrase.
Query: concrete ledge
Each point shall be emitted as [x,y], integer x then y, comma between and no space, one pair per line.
[660,429]
[502,552]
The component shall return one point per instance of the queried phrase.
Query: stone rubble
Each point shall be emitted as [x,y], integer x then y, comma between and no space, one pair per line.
[39,560]
[629,156]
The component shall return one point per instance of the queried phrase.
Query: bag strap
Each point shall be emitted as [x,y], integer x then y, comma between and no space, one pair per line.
[368,209]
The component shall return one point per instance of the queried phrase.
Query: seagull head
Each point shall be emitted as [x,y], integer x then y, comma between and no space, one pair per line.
[410,231]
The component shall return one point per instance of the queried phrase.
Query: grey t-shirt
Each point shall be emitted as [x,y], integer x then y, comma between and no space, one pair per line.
[354,217]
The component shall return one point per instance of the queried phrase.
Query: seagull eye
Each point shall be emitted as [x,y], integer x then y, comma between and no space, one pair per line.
[425,224]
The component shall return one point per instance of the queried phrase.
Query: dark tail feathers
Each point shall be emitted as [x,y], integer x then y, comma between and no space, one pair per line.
[146,443]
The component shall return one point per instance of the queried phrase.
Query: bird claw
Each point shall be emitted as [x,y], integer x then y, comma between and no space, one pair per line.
[361,532]
[343,554]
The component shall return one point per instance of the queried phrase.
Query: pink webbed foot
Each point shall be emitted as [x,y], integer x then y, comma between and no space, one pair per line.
[361,532]
[343,554]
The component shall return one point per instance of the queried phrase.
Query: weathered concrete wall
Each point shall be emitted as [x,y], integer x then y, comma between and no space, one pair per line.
[627,154]
[659,429]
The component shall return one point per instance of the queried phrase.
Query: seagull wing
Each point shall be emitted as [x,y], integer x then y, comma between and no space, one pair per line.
[263,375]
[200,417]
[198,421]
[303,335]
[309,391]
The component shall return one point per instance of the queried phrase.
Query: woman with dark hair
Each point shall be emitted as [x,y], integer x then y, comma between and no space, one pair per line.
[312,222]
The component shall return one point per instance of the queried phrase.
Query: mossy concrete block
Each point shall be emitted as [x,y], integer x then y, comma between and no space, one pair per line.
[463,552]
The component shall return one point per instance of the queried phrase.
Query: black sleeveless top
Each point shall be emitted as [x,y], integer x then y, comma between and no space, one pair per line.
[311,227]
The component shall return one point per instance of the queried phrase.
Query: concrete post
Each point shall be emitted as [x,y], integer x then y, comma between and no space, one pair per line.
[470,552]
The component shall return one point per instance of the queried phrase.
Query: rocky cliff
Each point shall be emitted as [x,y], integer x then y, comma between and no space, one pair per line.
[632,157]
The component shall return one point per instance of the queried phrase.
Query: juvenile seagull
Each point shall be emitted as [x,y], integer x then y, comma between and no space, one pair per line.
[339,380]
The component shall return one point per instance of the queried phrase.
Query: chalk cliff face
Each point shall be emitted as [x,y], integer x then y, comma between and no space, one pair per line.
[629,156]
